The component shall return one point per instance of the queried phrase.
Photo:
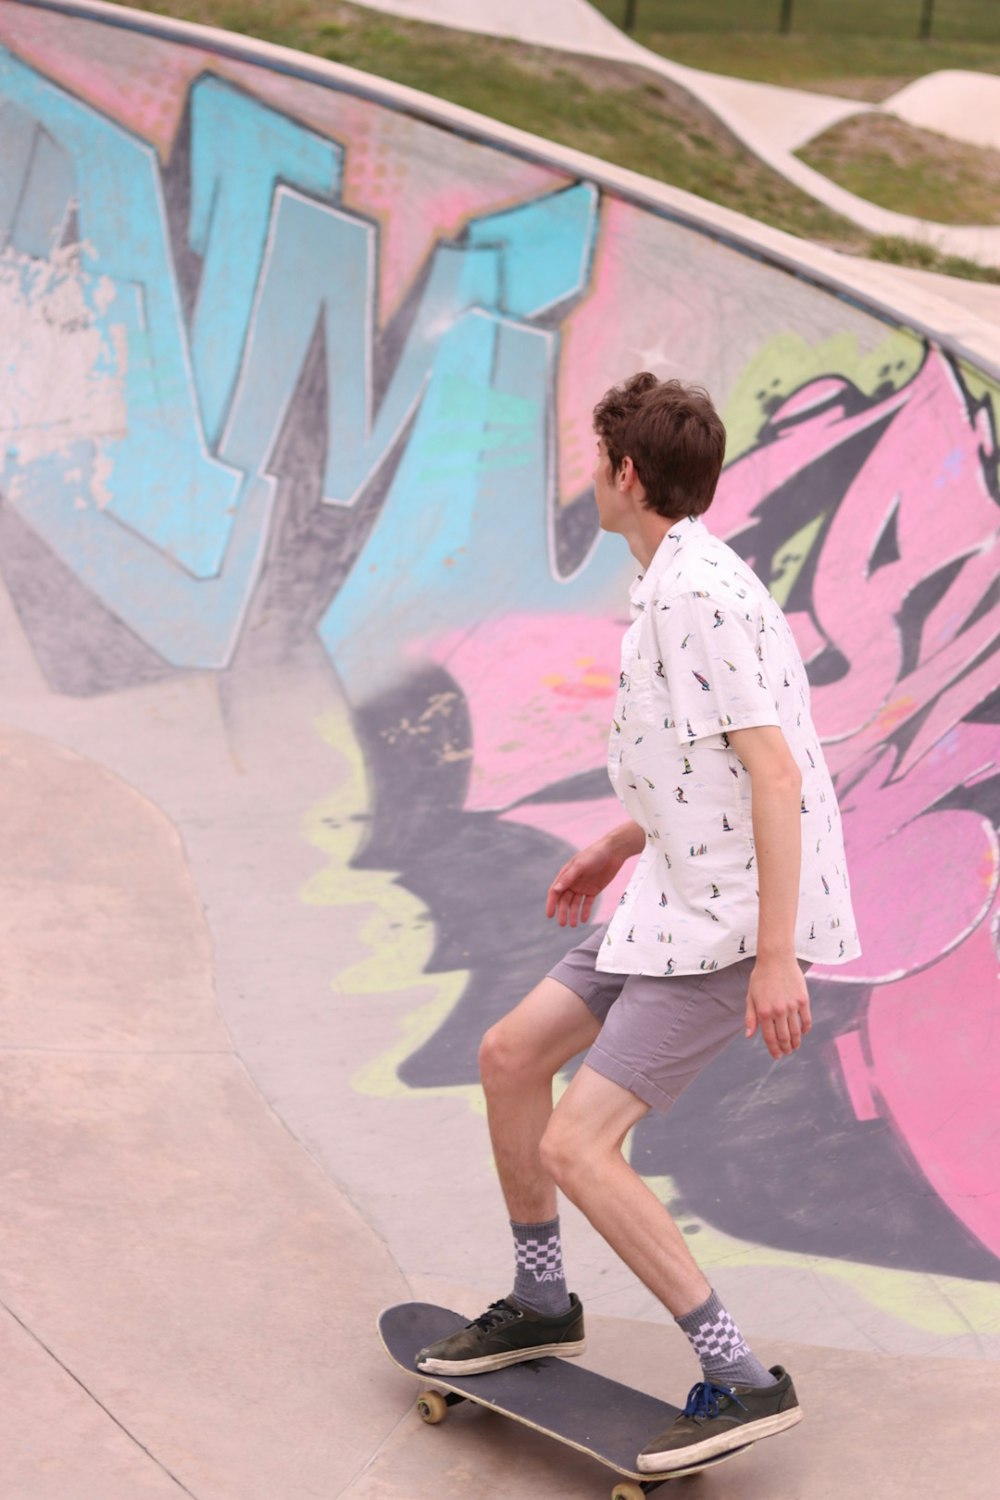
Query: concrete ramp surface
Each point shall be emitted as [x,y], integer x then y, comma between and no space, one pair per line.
[308,642]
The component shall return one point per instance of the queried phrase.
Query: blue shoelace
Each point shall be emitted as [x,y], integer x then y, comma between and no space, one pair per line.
[703,1399]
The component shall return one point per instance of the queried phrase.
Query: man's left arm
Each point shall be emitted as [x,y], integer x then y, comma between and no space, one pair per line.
[777,999]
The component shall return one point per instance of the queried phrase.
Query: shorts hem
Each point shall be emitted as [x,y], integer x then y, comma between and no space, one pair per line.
[627,1078]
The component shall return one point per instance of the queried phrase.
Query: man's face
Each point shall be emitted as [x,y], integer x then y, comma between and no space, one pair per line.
[607,492]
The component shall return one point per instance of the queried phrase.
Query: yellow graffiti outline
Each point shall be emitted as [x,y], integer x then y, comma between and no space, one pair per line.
[380,1078]
[943,1306]
[791,557]
[983,388]
[787,362]
[397,934]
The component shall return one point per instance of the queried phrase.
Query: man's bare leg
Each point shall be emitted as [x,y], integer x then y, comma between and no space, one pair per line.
[518,1060]
[582,1152]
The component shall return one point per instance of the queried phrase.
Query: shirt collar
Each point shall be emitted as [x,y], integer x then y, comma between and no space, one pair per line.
[644,585]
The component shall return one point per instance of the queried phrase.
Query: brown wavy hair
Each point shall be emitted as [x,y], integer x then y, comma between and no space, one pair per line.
[674,437]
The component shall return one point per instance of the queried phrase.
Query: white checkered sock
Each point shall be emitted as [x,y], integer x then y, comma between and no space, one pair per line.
[539,1281]
[725,1355]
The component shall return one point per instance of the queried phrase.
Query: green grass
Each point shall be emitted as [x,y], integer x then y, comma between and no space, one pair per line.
[912,171]
[952,20]
[621,114]
[897,251]
[858,49]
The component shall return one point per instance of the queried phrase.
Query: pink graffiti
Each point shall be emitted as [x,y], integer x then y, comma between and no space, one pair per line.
[928,1056]
[924,874]
[925,479]
[139,82]
[796,441]
[540,690]
[896,727]
[922,881]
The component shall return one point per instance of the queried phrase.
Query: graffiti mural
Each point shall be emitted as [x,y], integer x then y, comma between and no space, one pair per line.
[281,357]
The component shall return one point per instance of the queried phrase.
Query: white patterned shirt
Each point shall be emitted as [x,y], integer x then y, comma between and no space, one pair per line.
[708,651]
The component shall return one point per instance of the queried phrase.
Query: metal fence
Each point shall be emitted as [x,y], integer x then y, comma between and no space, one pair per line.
[936,20]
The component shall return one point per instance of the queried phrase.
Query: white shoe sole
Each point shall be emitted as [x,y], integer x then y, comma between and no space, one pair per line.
[459,1367]
[724,1442]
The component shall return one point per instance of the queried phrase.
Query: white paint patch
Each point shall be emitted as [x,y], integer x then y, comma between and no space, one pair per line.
[62,379]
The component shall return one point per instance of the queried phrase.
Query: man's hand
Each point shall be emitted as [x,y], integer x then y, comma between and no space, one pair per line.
[582,879]
[778,1002]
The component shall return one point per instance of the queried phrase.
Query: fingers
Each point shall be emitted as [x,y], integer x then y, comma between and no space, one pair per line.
[564,903]
[769,1033]
[805,1016]
[557,893]
[565,900]
[783,1032]
[574,908]
[783,1018]
[570,908]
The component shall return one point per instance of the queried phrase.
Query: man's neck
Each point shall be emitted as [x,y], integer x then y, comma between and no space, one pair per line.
[644,540]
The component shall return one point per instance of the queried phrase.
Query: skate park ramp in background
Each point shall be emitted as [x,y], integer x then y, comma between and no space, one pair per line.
[309,643]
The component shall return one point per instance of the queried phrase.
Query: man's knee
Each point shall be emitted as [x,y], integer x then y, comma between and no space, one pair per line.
[504,1057]
[563,1151]
[494,1057]
[532,1042]
[587,1132]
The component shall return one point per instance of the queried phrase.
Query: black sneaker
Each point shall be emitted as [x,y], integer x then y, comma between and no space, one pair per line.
[719,1418]
[506,1334]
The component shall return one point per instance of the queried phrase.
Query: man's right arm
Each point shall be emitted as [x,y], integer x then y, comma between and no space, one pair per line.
[582,879]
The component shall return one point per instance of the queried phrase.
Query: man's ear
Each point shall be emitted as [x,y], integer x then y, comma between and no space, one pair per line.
[626,474]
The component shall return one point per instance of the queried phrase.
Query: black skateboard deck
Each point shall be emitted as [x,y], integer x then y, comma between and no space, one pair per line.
[586,1411]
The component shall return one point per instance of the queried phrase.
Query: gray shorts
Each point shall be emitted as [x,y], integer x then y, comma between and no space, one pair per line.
[657,1034]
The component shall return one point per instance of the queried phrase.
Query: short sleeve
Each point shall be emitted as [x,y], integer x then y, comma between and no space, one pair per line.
[715,678]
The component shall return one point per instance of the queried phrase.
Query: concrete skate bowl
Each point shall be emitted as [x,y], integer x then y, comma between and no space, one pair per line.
[300,368]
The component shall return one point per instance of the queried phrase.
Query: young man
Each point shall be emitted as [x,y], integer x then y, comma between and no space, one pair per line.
[740,885]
